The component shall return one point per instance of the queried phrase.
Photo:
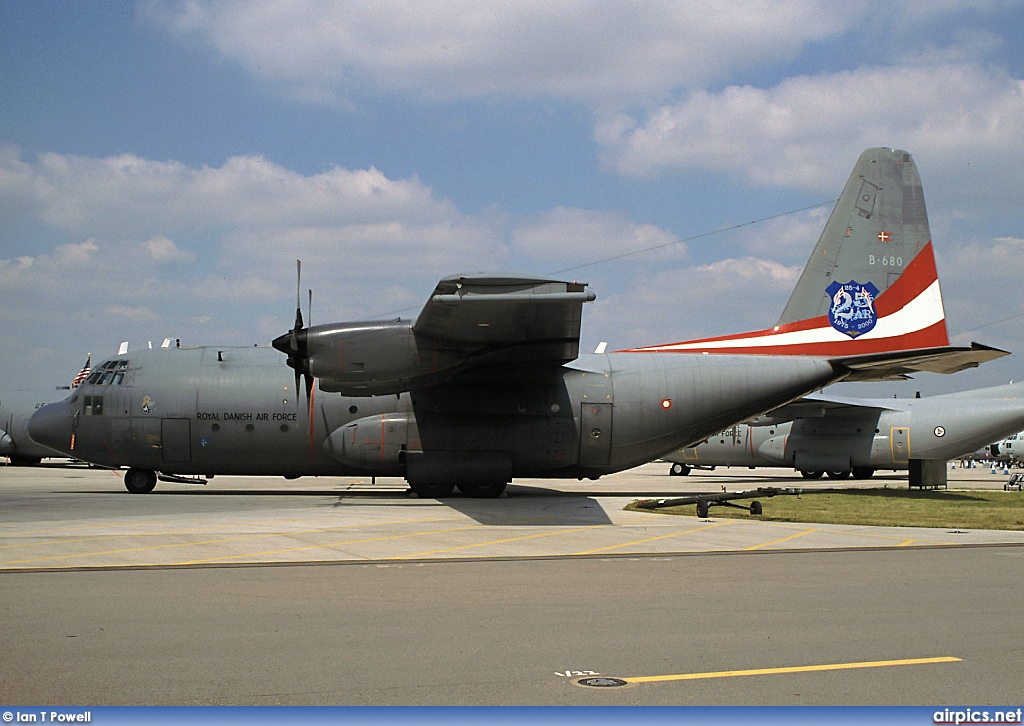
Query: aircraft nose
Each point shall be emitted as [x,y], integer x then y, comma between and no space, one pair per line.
[6,444]
[50,426]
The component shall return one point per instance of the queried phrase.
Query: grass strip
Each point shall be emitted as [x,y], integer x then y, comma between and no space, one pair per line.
[881,507]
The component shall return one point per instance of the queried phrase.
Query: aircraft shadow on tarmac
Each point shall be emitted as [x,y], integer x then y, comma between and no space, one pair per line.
[562,511]
[526,506]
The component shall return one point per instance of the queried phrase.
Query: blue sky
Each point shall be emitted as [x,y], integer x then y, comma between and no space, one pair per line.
[163,164]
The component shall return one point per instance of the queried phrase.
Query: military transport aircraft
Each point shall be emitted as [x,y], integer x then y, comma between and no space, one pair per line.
[488,384]
[16,407]
[827,434]
[1010,449]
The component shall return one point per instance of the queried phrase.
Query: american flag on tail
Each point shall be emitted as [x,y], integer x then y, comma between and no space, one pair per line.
[84,373]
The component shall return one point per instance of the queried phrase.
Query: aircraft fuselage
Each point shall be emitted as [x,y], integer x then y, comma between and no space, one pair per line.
[16,408]
[879,434]
[236,411]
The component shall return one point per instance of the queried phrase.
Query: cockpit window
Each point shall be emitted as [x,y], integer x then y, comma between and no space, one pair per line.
[110,373]
[92,406]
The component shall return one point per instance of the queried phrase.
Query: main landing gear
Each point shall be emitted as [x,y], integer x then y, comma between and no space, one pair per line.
[140,481]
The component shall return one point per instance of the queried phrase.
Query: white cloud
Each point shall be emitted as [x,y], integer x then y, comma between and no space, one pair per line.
[728,296]
[256,216]
[127,196]
[806,131]
[580,50]
[573,237]
[983,277]
[164,250]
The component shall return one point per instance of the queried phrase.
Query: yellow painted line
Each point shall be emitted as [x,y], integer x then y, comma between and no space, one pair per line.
[329,544]
[68,529]
[660,536]
[782,539]
[200,543]
[494,542]
[201,531]
[792,669]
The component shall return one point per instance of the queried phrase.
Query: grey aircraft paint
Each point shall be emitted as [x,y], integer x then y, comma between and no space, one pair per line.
[488,384]
[858,436]
[16,407]
[1010,449]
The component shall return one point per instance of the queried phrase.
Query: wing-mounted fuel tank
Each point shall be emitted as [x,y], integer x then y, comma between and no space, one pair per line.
[479,320]
[375,443]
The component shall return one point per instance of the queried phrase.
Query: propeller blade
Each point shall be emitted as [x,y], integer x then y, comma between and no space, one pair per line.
[309,389]
[298,303]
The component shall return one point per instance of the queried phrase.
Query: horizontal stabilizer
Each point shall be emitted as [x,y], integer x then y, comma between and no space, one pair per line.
[900,364]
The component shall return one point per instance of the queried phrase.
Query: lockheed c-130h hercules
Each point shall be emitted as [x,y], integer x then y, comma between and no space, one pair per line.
[841,436]
[488,384]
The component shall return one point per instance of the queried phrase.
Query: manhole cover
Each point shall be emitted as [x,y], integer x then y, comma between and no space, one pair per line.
[602,682]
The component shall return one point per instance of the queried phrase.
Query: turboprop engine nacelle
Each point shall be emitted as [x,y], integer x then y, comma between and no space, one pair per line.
[369,358]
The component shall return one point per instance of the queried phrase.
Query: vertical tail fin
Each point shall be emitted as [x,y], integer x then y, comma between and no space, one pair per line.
[870,285]
[878,226]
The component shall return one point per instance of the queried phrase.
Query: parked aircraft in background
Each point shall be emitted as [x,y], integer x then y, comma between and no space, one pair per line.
[17,407]
[487,383]
[1010,449]
[821,434]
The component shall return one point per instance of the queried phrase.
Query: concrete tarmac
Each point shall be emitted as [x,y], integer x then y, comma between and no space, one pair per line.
[346,591]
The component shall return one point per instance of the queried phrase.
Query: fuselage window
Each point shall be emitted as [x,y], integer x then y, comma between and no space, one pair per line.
[92,405]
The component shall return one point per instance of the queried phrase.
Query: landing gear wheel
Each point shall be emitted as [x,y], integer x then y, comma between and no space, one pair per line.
[679,470]
[863,472]
[811,474]
[140,481]
[838,474]
[755,508]
[702,510]
[489,490]
[432,491]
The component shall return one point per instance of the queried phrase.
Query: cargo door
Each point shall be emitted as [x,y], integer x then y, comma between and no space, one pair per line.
[899,443]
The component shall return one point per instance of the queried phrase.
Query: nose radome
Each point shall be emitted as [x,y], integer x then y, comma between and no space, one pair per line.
[50,426]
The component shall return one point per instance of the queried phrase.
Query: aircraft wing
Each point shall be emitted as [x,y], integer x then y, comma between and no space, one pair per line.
[513,318]
[899,365]
[815,406]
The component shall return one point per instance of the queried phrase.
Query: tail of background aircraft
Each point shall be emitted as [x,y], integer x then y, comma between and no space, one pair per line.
[870,285]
